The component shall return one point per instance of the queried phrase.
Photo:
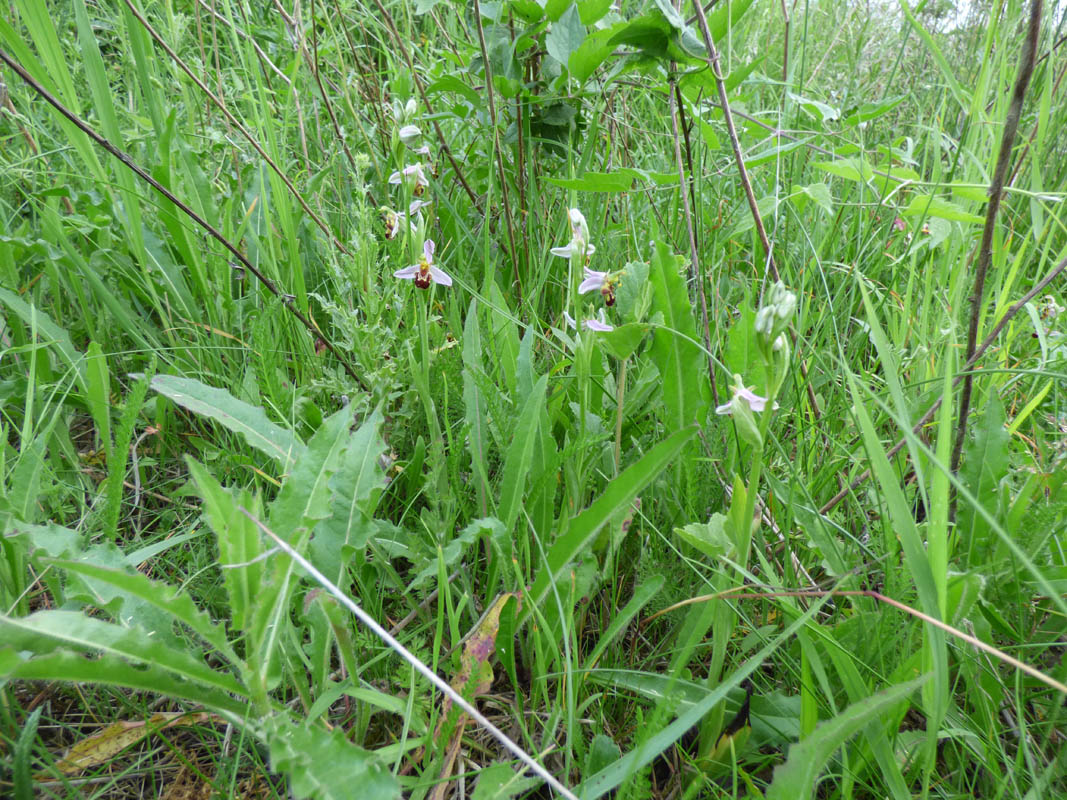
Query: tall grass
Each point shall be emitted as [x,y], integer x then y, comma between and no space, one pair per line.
[645,596]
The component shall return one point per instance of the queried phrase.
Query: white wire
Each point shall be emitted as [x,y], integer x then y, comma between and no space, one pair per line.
[428,673]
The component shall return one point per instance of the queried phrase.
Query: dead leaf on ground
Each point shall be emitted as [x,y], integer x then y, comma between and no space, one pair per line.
[108,742]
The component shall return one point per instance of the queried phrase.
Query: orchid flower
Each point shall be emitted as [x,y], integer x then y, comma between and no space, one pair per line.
[744,395]
[579,243]
[594,281]
[392,219]
[597,325]
[413,173]
[425,271]
[409,134]
[569,320]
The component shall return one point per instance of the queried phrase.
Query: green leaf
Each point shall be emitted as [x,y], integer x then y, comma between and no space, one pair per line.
[356,485]
[674,344]
[985,464]
[936,207]
[795,779]
[218,404]
[108,670]
[621,180]
[238,541]
[499,781]
[566,35]
[624,340]
[853,169]
[869,111]
[324,765]
[476,408]
[161,595]
[98,394]
[304,498]
[948,72]
[43,631]
[617,496]
[710,537]
[520,454]
[591,53]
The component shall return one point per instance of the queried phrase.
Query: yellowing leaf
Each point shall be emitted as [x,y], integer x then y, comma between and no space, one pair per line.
[108,742]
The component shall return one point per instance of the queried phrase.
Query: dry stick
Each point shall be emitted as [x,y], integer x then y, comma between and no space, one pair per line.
[978,353]
[673,105]
[140,172]
[404,653]
[724,104]
[881,598]
[996,189]
[399,41]
[233,121]
[499,156]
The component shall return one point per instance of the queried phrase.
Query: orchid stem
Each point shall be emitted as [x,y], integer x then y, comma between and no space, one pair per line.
[620,394]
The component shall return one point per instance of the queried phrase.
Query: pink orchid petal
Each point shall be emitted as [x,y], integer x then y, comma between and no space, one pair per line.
[440,276]
[407,273]
[427,248]
[597,325]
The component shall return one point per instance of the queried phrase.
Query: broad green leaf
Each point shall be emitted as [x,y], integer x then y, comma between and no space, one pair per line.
[304,498]
[621,180]
[161,595]
[218,404]
[795,779]
[591,53]
[238,540]
[98,394]
[520,453]
[108,670]
[355,485]
[616,497]
[565,36]
[746,221]
[853,168]
[986,462]
[43,631]
[674,345]
[623,341]
[476,408]
[500,781]
[936,207]
[324,765]
[710,537]
[869,111]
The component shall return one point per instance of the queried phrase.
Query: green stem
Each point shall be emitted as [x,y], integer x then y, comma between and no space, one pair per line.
[620,394]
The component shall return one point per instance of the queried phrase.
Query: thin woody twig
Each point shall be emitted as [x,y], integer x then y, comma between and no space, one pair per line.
[996,190]
[978,353]
[163,190]
[237,124]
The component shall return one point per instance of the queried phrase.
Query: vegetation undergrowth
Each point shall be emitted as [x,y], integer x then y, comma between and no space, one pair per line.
[678,393]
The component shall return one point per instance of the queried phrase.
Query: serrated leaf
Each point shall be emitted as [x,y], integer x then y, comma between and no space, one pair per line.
[304,498]
[43,631]
[324,765]
[250,421]
[180,606]
[355,486]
